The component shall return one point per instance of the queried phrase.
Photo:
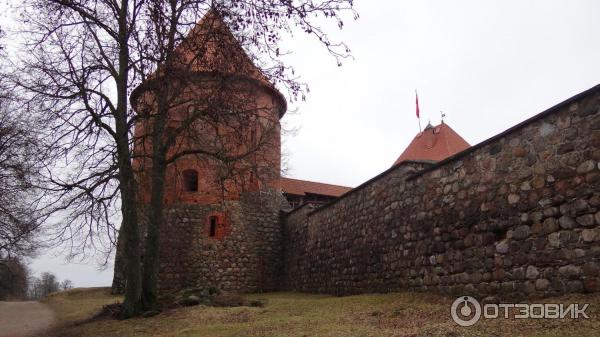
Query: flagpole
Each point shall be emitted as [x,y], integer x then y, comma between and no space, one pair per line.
[418,112]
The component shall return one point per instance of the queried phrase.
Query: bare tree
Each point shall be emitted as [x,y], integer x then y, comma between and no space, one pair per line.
[66,285]
[13,279]
[19,219]
[46,284]
[19,169]
[76,73]
[18,216]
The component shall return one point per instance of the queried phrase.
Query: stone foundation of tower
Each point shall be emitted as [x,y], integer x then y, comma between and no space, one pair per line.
[242,252]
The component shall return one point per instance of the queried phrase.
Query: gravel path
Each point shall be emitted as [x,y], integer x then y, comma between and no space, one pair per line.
[19,319]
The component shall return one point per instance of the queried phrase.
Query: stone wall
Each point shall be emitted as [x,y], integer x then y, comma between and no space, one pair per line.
[517,215]
[244,255]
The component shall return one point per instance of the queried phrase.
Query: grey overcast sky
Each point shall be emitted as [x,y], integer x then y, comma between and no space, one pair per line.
[487,64]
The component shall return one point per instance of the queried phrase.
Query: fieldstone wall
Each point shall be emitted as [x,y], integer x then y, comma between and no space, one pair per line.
[245,255]
[245,258]
[517,215]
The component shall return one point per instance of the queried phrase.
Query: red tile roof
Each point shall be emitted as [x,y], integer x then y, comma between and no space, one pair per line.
[211,47]
[435,143]
[302,187]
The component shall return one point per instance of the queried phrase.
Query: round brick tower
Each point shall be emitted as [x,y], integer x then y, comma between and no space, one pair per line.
[222,195]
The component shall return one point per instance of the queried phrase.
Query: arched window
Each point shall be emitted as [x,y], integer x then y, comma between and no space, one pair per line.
[190,180]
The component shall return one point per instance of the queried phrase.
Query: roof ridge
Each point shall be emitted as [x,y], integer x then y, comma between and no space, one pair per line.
[315,182]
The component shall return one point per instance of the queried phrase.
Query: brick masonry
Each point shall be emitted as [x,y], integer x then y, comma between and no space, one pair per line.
[517,216]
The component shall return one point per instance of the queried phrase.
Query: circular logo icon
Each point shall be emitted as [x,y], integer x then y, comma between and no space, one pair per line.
[465,311]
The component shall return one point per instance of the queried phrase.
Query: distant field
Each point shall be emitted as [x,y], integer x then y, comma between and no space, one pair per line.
[302,315]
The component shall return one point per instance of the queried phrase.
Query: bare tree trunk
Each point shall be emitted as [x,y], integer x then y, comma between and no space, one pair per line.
[152,247]
[132,304]
[160,146]
[155,219]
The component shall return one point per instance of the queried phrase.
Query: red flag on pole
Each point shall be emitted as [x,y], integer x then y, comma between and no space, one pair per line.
[417,102]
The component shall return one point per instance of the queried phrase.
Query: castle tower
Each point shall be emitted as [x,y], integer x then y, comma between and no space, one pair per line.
[222,187]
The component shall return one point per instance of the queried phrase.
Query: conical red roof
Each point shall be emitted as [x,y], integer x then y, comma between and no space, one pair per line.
[211,50]
[211,47]
[435,143]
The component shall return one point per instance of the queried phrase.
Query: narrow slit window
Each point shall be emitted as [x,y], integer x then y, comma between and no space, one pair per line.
[213,226]
[190,181]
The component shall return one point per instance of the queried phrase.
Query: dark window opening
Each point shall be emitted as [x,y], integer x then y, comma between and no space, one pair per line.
[213,226]
[190,181]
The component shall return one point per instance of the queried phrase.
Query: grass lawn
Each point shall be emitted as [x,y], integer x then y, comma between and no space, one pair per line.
[292,314]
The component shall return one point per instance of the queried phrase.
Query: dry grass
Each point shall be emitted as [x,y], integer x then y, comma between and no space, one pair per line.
[291,314]
[76,305]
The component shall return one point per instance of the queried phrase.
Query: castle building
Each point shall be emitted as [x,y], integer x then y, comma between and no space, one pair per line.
[517,215]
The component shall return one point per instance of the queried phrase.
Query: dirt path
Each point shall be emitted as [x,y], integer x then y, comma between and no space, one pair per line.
[19,319]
